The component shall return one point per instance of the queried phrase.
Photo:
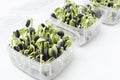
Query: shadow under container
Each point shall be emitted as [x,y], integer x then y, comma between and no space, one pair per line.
[85,35]
[44,71]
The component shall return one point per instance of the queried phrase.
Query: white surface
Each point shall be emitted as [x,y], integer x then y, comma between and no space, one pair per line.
[98,60]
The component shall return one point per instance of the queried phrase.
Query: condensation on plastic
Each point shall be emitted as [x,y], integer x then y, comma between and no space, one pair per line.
[43,71]
[113,16]
[85,35]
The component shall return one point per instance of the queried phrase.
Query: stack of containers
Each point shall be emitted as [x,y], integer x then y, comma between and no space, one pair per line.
[79,35]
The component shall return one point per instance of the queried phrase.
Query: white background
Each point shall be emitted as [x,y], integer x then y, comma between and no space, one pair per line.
[97,60]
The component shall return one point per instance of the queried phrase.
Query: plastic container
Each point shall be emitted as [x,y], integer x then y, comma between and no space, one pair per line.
[88,33]
[113,17]
[43,71]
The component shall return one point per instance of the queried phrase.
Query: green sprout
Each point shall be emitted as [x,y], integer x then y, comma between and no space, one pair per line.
[114,4]
[78,16]
[42,44]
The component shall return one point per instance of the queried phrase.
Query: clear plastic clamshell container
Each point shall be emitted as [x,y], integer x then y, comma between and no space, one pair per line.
[113,16]
[88,33]
[43,71]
